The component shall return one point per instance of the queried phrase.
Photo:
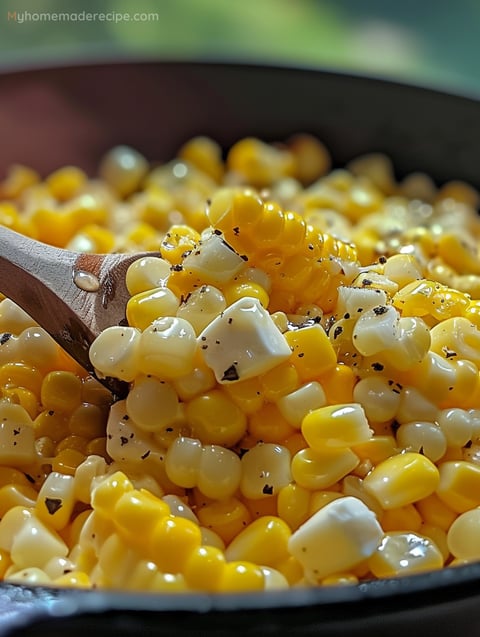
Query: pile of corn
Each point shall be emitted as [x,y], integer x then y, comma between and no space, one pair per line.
[303,353]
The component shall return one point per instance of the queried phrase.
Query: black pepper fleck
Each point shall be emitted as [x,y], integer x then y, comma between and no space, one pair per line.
[231,373]
[53,505]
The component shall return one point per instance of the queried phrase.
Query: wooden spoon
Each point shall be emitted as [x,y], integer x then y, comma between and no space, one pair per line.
[72,296]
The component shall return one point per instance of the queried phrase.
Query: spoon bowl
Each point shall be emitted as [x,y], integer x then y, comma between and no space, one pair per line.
[73,296]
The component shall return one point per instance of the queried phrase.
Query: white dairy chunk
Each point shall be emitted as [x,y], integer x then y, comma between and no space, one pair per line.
[242,342]
[214,260]
[336,538]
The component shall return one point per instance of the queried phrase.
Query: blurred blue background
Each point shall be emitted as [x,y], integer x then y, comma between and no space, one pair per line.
[433,42]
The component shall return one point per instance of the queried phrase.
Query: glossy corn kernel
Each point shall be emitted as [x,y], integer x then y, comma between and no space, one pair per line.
[66,461]
[12,495]
[17,436]
[321,469]
[401,519]
[116,352]
[226,517]
[401,554]
[338,384]
[376,449]
[123,168]
[337,538]
[265,470]
[108,491]
[172,541]
[402,479]
[143,308]
[459,485]
[294,505]
[152,404]
[201,306]
[204,569]
[263,541]
[462,536]
[215,419]
[167,348]
[136,513]
[435,512]
[56,500]
[240,576]
[267,424]
[295,405]
[312,352]
[336,426]
[65,182]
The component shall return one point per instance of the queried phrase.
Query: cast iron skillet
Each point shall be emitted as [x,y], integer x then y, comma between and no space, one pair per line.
[53,117]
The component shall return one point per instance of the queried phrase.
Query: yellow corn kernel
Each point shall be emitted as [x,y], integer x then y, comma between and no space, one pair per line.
[108,492]
[435,512]
[405,554]
[336,426]
[340,579]
[279,381]
[312,352]
[25,398]
[172,541]
[10,475]
[11,495]
[319,499]
[338,384]
[460,253]
[291,569]
[67,461]
[65,182]
[18,179]
[92,238]
[136,513]
[259,163]
[72,442]
[97,447]
[318,470]
[294,505]
[377,449]
[215,419]
[240,576]
[61,391]
[5,563]
[18,374]
[438,537]
[240,289]
[268,425]
[87,421]
[259,508]
[205,154]
[226,517]
[204,568]
[404,518]
[143,308]
[402,479]
[178,240]
[75,579]
[459,486]
[263,541]
[246,394]
[429,298]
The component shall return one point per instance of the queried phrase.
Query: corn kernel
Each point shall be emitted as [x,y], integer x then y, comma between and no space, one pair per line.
[172,541]
[319,470]
[459,486]
[404,554]
[294,505]
[265,470]
[241,576]
[312,352]
[215,419]
[226,517]
[402,479]
[145,307]
[263,541]
[336,426]
[435,512]
[204,569]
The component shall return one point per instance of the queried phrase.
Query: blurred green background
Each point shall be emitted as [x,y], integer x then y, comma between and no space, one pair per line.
[433,42]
